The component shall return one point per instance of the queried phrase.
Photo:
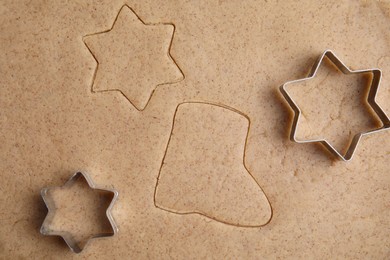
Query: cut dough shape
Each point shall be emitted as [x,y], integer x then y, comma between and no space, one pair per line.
[203,170]
[133,58]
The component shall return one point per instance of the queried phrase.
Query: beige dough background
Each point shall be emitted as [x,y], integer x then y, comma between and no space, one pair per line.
[233,53]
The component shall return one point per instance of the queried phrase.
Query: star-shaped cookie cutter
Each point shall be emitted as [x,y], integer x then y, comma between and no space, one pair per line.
[375,82]
[67,236]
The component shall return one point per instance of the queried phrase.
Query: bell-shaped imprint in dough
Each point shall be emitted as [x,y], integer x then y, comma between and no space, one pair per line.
[203,170]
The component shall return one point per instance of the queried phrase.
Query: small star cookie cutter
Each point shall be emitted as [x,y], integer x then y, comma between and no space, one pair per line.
[67,236]
[375,82]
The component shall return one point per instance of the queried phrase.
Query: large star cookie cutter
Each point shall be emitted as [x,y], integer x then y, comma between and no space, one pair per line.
[375,82]
[67,236]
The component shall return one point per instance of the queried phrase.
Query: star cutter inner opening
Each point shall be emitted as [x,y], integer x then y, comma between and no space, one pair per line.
[374,86]
[67,236]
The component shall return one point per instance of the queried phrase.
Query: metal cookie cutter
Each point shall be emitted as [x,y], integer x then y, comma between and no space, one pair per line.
[67,236]
[376,78]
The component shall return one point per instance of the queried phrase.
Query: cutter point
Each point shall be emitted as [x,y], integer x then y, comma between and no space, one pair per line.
[74,245]
[371,100]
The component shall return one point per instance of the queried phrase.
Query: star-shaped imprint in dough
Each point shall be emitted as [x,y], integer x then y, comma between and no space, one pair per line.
[133,57]
[320,98]
[78,211]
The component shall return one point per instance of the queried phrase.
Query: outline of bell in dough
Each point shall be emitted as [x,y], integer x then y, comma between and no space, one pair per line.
[203,170]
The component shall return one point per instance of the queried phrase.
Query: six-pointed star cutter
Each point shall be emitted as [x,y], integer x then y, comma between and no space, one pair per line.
[376,78]
[67,236]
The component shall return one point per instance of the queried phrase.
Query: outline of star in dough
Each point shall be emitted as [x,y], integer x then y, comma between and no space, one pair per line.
[374,86]
[67,236]
[147,73]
